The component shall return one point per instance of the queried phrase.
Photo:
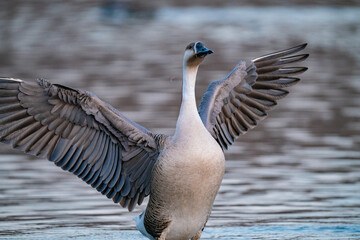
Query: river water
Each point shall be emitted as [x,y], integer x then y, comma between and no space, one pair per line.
[296,176]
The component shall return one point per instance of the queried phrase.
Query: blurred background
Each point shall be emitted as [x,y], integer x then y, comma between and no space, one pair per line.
[296,176]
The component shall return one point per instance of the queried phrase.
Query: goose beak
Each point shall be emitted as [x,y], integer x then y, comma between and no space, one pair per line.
[202,51]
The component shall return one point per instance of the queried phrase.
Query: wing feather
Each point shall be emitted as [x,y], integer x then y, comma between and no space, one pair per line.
[81,134]
[234,105]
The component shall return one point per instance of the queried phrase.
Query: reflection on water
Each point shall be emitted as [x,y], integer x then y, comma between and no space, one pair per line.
[295,176]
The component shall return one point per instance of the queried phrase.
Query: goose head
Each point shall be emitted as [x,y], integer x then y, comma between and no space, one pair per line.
[195,53]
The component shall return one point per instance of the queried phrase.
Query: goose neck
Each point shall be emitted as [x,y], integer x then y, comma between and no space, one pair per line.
[189,80]
[189,118]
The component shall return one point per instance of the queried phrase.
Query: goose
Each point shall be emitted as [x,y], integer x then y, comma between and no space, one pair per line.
[126,162]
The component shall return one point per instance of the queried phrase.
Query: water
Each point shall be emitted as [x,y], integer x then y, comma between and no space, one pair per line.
[296,176]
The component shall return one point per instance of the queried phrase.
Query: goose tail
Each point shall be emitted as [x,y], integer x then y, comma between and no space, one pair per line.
[139,220]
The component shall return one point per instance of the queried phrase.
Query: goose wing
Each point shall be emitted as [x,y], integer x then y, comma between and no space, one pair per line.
[233,105]
[81,134]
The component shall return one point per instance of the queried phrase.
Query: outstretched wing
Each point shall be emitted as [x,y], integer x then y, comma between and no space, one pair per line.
[81,134]
[233,105]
